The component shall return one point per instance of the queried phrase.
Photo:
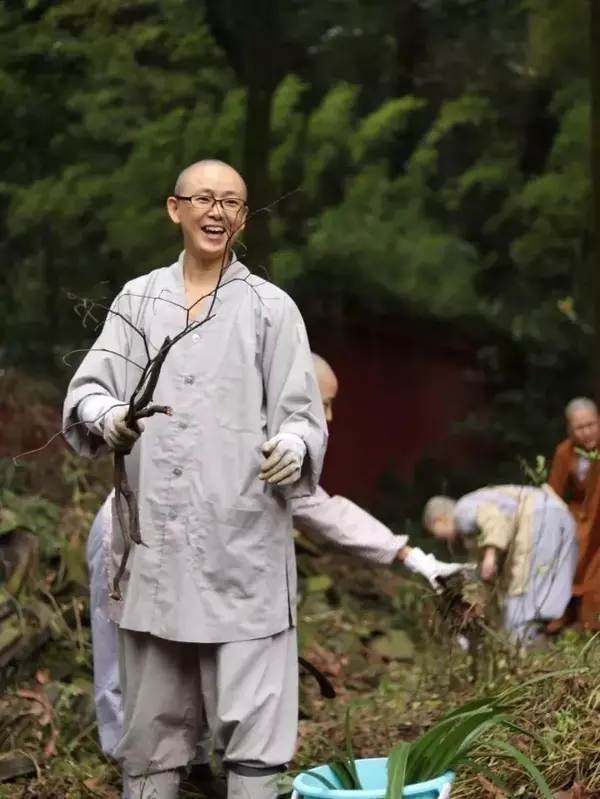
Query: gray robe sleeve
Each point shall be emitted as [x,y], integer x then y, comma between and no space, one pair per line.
[107,691]
[102,374]
[293,400]
[347,526]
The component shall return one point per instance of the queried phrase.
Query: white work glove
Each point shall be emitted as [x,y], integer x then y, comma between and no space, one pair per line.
[115,432]
[429,567]
[284,456]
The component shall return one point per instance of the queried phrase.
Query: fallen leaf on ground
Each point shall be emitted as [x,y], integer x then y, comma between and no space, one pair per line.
[492,791]
[43,676]
[578,791]
[40,706]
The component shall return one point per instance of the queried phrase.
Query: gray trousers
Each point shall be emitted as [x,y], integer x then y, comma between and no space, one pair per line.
[247,690]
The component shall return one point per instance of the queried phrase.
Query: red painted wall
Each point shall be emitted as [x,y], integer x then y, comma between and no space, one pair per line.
[396,399]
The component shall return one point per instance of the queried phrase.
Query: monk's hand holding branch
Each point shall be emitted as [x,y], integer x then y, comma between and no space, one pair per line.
[117,434]
[429,567]
[284,455]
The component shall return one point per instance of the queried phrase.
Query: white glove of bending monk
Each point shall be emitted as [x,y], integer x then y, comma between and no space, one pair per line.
[429,567]
[284,456]
[116,433]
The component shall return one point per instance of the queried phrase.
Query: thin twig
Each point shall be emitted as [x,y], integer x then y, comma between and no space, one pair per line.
[98,349]
[60,433]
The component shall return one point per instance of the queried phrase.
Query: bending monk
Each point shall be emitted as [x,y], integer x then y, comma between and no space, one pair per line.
[334,519]
[527,538]
[575,476]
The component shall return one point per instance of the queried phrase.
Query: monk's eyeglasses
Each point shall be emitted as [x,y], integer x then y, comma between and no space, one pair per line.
[206,202]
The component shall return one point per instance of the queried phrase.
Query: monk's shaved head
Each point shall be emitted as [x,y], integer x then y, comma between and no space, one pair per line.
[322,368]
[583,422]
[328,384]
[190,179]
[438,518]
[580,404]
[209,204]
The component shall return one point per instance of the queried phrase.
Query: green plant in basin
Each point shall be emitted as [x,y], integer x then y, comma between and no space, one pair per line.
[462,738]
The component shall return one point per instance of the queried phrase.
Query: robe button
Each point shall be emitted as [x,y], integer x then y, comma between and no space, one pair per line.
[189,380]
[177,471]
[183,425]
[195,338]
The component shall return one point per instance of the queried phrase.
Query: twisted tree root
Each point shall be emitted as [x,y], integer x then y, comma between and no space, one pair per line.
[130,527]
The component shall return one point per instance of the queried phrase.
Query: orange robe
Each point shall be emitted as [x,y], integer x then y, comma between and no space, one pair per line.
[583,498]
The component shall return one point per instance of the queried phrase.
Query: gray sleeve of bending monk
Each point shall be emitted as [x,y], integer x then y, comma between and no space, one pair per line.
[293,399]
[346,525]
[107,690]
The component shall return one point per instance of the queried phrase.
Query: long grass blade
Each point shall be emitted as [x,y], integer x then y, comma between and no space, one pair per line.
[533,771]
[343,773]
[583,654]
[340,757]
[540,678]
[397,767]
[476,704]
[350,751]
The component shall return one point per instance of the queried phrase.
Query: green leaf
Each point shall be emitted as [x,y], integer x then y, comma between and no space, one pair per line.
[438,749]
[526,763]
[383,124]
[350,751]
[397,769]
[476,704]
[318,584]
[8,521]
[459,740]
[342,771]
[395,645]
[518,689]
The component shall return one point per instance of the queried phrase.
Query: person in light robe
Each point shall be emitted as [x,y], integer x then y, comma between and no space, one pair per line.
[208,615]
[575,476]
[528,545]
[320,517]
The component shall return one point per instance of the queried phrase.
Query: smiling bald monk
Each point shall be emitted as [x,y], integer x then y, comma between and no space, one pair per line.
[207,624]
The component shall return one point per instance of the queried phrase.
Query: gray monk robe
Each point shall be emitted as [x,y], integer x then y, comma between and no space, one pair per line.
[219,568]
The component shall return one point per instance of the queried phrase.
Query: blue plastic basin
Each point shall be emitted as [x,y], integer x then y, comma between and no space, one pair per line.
[372,773]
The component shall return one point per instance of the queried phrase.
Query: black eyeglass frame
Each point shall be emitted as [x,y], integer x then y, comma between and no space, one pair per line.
[215,201]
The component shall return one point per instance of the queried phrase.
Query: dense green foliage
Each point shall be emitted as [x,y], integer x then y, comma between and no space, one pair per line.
[427,158]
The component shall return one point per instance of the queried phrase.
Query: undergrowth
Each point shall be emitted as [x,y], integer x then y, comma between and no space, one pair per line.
[374,632]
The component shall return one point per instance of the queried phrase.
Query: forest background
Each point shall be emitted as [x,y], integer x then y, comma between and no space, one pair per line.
[430,158]
[436,161]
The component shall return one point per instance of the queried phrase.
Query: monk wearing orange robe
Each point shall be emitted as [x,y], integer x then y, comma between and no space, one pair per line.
[575,476]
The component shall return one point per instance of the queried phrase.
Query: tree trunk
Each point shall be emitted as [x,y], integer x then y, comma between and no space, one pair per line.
[257,147]
[250,34]
[261,39]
